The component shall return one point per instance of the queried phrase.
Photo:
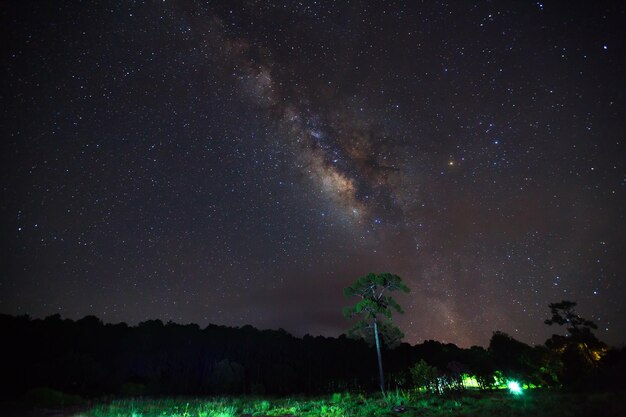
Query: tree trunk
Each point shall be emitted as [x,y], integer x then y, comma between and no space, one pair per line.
[380,359]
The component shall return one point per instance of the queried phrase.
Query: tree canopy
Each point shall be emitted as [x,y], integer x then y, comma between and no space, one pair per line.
[376,304]
[375,309]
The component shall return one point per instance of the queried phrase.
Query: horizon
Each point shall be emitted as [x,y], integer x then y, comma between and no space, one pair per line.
[204,327]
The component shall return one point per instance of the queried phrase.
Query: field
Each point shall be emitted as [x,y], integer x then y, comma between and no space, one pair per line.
[537,403]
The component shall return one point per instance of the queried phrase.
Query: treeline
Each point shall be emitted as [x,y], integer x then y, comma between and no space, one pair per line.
[88,357]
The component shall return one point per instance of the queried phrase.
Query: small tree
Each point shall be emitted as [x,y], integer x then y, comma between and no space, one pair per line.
[375,309]
[425,376]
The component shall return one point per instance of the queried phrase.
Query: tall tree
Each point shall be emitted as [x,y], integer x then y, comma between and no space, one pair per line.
[375,308]
[579,331]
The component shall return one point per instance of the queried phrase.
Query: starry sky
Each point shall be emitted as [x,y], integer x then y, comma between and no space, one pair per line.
[241,162]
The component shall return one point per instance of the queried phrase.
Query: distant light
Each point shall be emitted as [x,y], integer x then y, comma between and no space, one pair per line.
[605,47]
[470,381]
[514,387]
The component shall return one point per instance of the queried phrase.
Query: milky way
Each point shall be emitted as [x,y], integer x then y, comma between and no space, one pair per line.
[333,148]
[242,162]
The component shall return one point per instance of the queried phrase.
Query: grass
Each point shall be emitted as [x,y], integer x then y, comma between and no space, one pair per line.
[537,403]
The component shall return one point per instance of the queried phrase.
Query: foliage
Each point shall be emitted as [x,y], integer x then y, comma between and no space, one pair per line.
[375,305]
[517,360]
[535,402]
[397,397]
[227,377]
[425,377]
[579,350]
[482,365]
[375,309]
[563,314]
[579,331]
[48,397]
[90,358]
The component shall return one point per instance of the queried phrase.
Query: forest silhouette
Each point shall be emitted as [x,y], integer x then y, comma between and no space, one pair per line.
[88,357]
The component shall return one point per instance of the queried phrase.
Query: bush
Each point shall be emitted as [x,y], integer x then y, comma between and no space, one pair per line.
[425,377]
[48,397]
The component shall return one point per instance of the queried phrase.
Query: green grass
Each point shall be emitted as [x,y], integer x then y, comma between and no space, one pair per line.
[536,403]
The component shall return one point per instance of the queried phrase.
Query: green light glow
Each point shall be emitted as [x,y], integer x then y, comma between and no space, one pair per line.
[469,381]
[514,387]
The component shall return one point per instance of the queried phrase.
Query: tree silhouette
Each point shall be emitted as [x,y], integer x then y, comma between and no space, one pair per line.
[375,309]
[580,334]
[563,314]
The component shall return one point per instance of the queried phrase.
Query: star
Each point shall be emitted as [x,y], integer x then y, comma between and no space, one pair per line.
[235,165]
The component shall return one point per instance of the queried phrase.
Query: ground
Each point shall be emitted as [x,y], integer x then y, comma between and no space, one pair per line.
[536,403]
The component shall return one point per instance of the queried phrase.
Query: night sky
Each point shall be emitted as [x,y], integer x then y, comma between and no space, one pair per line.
[242,162]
